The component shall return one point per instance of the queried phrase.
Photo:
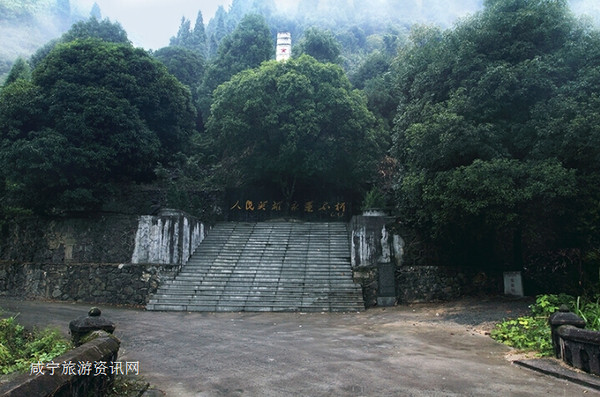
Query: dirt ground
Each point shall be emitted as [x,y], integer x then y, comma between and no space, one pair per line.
[415,350]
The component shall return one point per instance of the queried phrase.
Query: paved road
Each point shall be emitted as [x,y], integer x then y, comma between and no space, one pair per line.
[422,350]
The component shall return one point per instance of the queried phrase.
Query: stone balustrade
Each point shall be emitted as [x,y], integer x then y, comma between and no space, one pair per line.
[577,347]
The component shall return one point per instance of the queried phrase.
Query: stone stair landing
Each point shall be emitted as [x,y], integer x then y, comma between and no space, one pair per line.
[266,266]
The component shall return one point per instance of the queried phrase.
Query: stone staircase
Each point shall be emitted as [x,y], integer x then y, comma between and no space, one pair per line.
[266,266]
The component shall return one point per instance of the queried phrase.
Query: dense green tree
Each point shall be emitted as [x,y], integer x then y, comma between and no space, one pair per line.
[92,28]
[183,34]
[374,77]
[186,65]
[104,29]
[216,31]
[320,44]
[94,113]
[198,41]
[20,70]
[478,127]
[191,39]
[293,125]
[247,47]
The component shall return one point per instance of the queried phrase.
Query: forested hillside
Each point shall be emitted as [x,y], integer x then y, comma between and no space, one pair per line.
[482,137]
[26,25]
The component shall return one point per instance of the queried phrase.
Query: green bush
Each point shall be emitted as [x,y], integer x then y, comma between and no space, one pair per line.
[590,312]
[19,347]
[525,333]
[532,333]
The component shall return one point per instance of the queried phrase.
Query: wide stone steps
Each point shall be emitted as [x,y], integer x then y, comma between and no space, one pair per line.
[269,266]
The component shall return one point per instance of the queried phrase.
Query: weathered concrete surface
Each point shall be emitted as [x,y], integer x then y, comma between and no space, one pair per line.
[420,350]
[168,238]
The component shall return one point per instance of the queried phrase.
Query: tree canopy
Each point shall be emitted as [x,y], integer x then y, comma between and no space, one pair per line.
[320,44]
[489,121]
[247,47]
[93,113]
[293,125]
[191,39]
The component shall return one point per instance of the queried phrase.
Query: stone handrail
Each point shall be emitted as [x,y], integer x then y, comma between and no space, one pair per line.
[577,347]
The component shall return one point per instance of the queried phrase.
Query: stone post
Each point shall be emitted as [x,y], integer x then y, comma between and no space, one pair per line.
[562,317]
[86,324]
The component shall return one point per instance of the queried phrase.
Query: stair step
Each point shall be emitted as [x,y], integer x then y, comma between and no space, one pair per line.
[266,267]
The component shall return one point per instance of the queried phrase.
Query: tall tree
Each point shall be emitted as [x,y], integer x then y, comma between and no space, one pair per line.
[20,70]
[183,34]
[217,30]
[191,39]
[468,137]
[321,45]
[188,66]
[92,28]
[95,113]
[247,47]
[293,125]
[104,29]
[198,40]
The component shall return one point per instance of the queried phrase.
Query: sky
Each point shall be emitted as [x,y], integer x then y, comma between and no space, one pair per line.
[151,23]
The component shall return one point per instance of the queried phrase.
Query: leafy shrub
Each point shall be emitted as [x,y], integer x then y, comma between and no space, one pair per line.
[532,332]
[374,198]
[590,312]
[19,347]
[525,333]
[545,305]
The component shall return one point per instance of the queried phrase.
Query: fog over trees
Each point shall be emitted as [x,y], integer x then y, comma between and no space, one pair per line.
[25,25]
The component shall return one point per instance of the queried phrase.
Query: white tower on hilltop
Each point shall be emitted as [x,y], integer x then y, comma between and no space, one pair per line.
[284,46]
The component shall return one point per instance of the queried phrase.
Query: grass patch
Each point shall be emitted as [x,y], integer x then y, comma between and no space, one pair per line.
[532,333]
[19,348]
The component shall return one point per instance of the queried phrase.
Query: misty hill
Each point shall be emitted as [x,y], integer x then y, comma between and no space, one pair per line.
[26,25]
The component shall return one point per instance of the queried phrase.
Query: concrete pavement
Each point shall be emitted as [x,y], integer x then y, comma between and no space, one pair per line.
[421,350]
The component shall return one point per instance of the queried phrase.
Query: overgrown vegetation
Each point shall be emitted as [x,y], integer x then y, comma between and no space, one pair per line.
[532,333]
[20,347]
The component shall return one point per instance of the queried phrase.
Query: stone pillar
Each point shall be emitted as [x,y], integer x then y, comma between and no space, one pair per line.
[563,317]
[373,254]
[90,323]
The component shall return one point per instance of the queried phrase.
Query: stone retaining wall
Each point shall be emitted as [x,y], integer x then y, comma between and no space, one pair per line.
[373,246]
[102,258]
[96,238]
[439,283]
[102,349]
[95,283]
